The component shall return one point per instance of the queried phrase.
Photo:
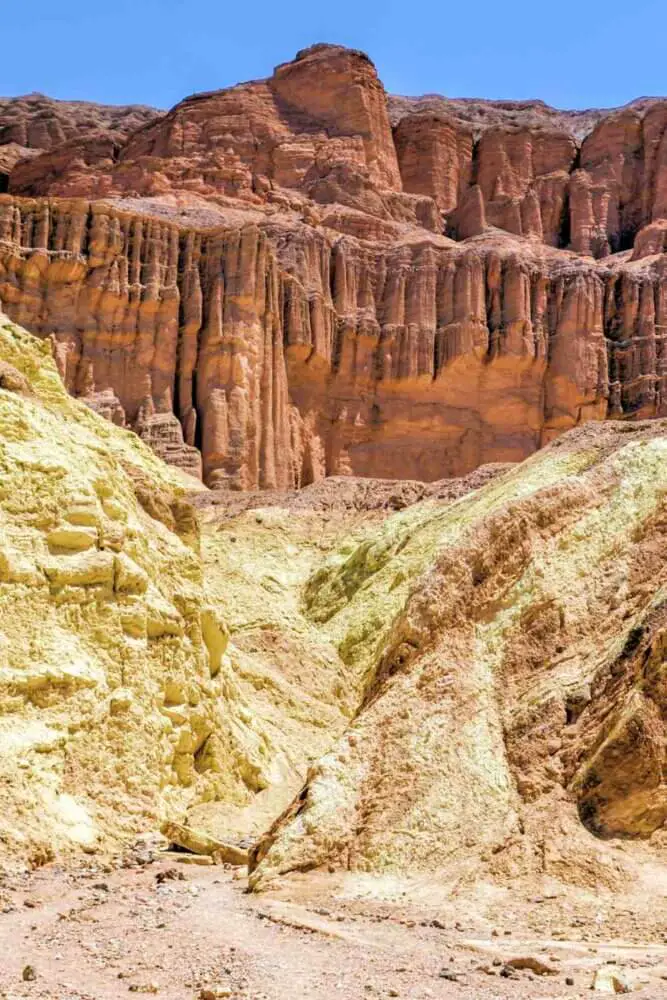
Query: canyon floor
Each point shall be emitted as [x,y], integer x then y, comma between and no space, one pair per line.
[179,932]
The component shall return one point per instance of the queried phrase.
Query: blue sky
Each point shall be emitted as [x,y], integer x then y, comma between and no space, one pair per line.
[590,53]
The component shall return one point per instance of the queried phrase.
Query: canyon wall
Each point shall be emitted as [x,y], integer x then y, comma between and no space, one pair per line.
[301,277]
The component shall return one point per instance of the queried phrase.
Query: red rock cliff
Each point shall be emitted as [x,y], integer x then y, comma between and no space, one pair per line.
[281,280]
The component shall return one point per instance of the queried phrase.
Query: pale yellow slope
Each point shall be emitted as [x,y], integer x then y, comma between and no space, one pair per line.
[120,702]
[106,683]
[295,693]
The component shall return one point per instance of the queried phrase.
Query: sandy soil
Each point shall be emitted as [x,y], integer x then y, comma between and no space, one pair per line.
[184,931]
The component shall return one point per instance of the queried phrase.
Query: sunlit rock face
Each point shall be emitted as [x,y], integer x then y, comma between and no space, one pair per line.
[303,276]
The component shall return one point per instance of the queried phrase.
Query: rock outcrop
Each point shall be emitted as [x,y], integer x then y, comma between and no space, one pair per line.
[300,277]
[40,123]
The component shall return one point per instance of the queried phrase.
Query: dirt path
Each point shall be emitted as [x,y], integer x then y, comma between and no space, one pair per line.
[92,935]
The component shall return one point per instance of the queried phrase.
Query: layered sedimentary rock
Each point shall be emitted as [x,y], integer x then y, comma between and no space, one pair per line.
[35,121]
[287,354]
[510,649]
[588,181]
[299,277]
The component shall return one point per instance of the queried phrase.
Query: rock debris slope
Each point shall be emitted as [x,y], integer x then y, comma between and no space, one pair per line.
[302,277]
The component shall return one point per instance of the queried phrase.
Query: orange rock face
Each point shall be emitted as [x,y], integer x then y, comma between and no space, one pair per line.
[32,124]
[301,277]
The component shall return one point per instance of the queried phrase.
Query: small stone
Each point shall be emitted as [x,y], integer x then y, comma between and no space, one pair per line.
[29,975]
[507,972]
[168,874]
[569,981]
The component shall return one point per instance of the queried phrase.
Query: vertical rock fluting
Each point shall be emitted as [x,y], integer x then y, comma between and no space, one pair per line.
[287,353]
[268,296]
[539,180]
[148,322]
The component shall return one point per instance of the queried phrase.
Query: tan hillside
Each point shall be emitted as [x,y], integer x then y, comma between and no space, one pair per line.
[510,654]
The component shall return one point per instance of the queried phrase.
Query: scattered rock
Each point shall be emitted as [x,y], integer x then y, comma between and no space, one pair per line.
[447,974]
[169,874]
[200,842]
[29,974]
[610,980]
[507,972]
[533,963]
